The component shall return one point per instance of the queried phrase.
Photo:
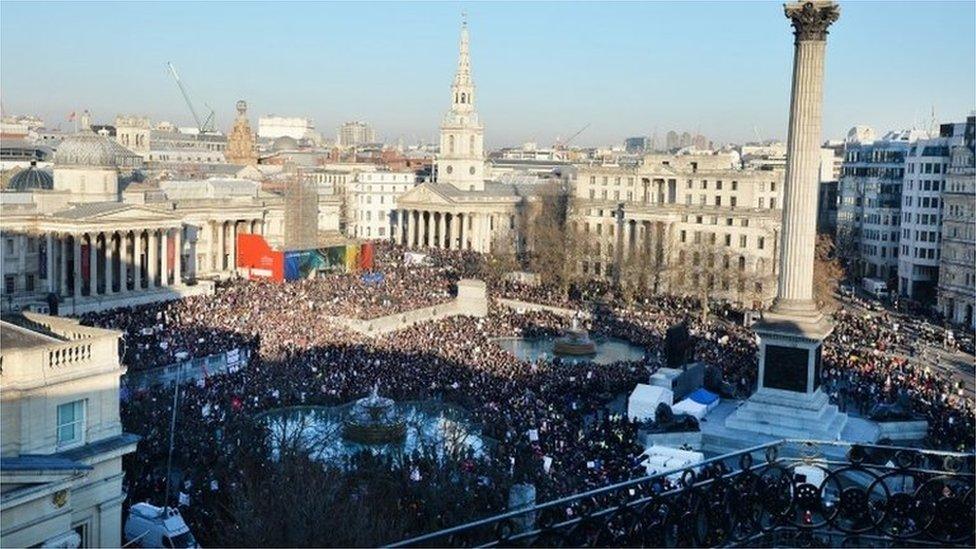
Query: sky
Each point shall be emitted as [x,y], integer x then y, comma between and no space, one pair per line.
[543,70]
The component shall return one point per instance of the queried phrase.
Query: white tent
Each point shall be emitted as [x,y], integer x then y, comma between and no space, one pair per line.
[644,399]
[688,406]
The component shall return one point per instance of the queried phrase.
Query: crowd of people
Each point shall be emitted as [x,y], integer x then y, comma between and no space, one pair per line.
[552,419]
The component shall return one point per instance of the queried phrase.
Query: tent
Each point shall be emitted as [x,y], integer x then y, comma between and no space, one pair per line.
[690,407]
[706,397]
[644,399]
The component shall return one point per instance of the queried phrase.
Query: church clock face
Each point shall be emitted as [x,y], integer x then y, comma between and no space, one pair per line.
[471,170]
[450,169]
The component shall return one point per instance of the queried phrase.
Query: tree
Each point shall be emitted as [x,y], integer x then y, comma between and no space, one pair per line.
[827,270]
[555,246]
[699,270]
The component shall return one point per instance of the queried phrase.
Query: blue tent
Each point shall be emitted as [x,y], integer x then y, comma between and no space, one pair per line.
[701,396]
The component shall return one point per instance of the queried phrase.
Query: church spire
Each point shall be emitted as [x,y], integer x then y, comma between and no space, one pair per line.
[463,87]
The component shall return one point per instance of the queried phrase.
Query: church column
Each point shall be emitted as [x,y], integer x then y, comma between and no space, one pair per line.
[442,237]
[49,258]
[485,233]
[414,231]
[109,262]
[164,257]
[453,229]
[153,256]
[76,260]
[178,256]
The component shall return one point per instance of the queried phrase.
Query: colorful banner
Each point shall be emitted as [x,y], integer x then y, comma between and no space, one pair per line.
[302,263]
[366,253]
[254,254]
[352,256]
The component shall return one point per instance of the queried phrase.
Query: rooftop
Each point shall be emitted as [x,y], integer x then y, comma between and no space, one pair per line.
[14,337]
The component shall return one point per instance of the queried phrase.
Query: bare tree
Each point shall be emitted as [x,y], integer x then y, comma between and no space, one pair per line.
[827,270]
[555,246]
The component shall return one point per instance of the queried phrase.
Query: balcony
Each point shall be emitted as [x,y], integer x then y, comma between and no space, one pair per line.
[788,493]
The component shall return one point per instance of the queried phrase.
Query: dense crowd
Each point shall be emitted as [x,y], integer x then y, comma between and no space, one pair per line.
[552,419]
[867,364]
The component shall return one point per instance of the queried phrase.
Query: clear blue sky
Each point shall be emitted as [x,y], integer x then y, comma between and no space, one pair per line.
[542,69]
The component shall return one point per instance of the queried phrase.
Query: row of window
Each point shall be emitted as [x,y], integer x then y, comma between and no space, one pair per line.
[727,239]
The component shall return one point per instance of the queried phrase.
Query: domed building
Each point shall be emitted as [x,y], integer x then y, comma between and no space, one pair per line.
[284,143]
[93,168]
[31,179]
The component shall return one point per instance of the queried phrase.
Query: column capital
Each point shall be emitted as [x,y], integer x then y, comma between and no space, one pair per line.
[810,19]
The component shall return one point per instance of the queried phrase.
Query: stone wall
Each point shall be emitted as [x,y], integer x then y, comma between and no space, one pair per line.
[472,300]
[529,306]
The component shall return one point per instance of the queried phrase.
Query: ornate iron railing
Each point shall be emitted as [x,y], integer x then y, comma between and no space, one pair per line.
[786,493]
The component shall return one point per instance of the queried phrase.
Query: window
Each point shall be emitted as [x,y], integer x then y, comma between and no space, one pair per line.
[743,240]
[71,423]
[762,243]
[8,284]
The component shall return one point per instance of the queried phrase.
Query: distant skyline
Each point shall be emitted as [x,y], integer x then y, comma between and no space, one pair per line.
[542,69]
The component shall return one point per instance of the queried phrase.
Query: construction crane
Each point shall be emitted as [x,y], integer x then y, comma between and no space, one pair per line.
[205,126]
[572,137]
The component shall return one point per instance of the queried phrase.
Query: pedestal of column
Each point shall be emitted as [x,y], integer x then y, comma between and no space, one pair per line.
[789,402]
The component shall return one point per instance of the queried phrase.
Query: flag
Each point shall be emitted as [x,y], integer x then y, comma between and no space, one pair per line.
[71,116]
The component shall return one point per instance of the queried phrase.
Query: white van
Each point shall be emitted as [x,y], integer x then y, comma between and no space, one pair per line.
[151,526]
[877,288]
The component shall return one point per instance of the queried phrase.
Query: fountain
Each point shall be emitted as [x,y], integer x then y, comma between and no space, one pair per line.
[575,342]
[374,420]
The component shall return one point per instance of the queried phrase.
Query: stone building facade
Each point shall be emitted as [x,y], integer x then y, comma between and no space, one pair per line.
[676,219]
[957,272]
[62,439]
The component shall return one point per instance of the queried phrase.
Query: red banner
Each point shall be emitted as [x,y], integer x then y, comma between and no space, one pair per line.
[366,252]
[254,254]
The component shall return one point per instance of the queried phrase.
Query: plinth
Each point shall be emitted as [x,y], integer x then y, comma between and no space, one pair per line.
[789,402]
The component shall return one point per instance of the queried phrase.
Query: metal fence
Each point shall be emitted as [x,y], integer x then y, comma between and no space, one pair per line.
[786,493]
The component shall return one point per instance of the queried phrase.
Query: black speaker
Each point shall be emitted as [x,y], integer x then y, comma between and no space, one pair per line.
[679,349]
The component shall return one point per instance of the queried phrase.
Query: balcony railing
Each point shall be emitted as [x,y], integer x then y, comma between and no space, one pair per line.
[787,493]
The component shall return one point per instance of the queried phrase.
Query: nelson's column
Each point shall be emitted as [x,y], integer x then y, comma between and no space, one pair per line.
[789,402]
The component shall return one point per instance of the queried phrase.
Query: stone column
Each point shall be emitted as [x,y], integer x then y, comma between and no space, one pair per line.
[455,229]
[810,21]
[178,256]
[414,233]
[221,246]
[233,247]
[124,262]
[789,399]
[109,262]
[22,260]
[92,264]
[49,248]
[164,257]
[153,256]
[443,236]
[76,260]
[63,275]
[137,249]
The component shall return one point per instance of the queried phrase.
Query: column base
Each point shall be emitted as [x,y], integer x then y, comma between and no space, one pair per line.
[788,414]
